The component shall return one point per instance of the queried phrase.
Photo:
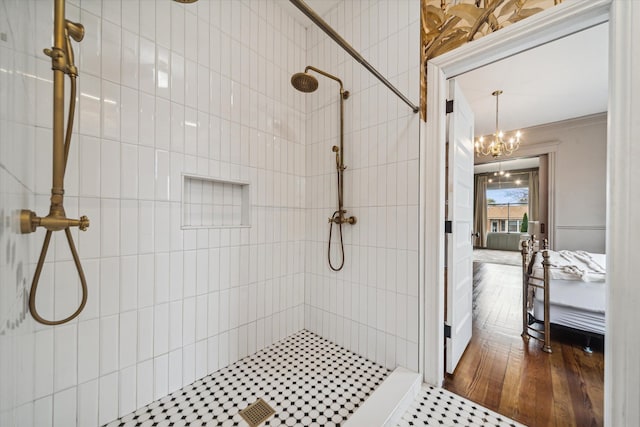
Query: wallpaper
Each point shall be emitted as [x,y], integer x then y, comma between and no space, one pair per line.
[448,24]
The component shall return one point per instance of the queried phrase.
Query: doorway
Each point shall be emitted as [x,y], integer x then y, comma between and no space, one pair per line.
[624,97]
[496,348]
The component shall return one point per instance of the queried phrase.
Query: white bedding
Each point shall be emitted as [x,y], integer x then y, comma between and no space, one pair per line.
[576,318]
[573,302]
[574,265]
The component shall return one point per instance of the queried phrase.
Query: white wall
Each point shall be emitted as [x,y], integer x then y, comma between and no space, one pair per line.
[162,91]
[580,180]
[371,306]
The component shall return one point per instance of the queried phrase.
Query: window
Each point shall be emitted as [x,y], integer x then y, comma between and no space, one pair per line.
[506,205]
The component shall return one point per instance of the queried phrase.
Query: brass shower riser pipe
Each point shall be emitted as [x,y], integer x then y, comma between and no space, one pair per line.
[58,65]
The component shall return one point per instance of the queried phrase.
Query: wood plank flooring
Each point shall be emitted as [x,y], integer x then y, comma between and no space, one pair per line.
[517,379]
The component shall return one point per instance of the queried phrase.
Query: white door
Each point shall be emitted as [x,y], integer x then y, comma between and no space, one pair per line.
[460,213]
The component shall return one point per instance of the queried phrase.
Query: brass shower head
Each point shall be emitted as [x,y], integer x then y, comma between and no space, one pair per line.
[74,29]
[304,82]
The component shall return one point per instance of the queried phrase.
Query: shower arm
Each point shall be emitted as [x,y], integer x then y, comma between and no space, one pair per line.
[324,73]
[324,26]
[62,62]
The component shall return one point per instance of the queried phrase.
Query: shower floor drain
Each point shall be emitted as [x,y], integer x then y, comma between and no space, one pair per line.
[257,413]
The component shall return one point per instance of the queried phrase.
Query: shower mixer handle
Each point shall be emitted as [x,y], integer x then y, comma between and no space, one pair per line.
[29,222]
[341,219]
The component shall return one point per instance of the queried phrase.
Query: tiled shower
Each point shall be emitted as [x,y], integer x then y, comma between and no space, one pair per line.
[371,306]
[168,92]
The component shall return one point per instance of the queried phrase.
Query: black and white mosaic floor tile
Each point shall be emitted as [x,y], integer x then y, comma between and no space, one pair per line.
[439,407]
[308,380]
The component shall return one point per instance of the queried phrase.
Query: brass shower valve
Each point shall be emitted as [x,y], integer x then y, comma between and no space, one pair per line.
[29,222]
[343,220]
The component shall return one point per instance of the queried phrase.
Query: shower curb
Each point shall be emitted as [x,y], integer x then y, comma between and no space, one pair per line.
[389,401]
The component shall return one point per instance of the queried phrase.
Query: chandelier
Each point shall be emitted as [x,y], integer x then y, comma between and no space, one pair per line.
[499,144]
[499,174]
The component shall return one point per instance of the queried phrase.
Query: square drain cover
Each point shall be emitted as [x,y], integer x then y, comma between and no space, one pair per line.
[257,413]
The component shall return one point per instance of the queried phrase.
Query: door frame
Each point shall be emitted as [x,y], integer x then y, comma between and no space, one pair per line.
[622,345]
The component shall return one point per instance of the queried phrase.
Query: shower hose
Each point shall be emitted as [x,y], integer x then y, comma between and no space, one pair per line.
[67,231]
[337,215]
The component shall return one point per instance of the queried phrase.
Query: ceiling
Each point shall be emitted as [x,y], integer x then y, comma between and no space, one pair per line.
[319,6]
[560,80]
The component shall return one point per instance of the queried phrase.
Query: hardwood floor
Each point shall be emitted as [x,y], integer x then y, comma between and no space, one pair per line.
[517,379]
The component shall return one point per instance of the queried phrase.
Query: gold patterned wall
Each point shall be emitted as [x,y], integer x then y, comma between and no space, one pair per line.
[447,24]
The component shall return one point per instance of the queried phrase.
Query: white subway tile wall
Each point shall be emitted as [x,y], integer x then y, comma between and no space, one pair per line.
[371,306]
[164,89]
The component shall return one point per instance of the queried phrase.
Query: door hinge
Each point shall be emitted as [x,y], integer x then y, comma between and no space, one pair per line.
[448,227]
[449,108]
[447,331]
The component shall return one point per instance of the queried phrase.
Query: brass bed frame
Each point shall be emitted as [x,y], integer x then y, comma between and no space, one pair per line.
[529,284]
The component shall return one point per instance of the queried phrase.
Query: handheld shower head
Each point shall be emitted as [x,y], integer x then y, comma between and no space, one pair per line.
[74,29]
[304,82]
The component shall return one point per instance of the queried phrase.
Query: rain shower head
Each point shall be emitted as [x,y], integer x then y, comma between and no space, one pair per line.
[307,83]
[304,82]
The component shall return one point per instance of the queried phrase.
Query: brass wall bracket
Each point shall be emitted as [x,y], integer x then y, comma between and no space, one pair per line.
[58,58]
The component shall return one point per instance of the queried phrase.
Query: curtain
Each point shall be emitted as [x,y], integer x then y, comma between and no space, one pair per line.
[480,209]
[534,197]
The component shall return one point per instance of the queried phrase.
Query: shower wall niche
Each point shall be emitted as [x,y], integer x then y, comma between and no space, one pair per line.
[214,203]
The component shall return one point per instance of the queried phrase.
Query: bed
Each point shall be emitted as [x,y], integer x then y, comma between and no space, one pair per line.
[566,289]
